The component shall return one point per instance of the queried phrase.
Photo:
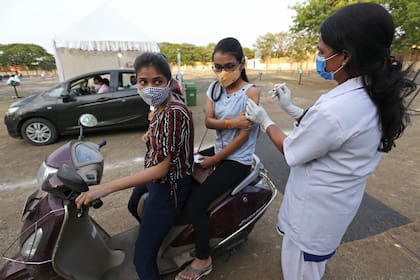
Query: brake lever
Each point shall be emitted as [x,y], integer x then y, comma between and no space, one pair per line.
[97,203]
[80,212]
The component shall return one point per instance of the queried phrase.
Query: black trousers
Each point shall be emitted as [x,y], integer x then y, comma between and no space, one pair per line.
[227,175]
[159,214]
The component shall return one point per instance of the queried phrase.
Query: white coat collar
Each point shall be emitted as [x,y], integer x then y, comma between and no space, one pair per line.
[349,85]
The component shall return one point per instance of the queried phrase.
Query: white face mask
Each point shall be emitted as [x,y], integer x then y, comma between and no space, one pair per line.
[154,96]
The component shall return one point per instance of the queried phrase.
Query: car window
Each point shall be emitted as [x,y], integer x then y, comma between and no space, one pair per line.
[80,87]
[126,80]
[89,85]
[55,92]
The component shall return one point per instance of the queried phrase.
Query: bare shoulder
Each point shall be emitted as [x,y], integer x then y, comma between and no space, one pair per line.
[254,94]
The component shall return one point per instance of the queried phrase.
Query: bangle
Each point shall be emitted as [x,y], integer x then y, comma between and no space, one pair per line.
[227,124]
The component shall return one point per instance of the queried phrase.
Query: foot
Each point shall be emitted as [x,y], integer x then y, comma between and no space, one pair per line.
[195,270]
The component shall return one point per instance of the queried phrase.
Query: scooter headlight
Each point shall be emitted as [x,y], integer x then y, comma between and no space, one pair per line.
[30,246]
[44,173]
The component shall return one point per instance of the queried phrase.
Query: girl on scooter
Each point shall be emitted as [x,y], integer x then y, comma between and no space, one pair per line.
[234,147]
[338,141]
[168,164]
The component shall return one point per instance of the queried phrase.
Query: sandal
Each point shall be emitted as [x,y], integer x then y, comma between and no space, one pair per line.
[191,273]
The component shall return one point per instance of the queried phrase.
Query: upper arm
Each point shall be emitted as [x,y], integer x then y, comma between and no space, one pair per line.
[170,133]
[254,94]
[209,108]
[317,134]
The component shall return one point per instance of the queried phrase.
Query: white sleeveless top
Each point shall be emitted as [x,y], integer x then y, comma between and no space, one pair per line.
[228,107]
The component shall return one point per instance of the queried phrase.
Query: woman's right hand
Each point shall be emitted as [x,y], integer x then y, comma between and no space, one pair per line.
[145,136]
[94,192]
[207,162]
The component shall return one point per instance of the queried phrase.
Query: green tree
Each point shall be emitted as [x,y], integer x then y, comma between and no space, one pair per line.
[406,14]
[311,13]
[272,45]
[29,55]
[309,16]
[249,53]
[298,47]
[190,54]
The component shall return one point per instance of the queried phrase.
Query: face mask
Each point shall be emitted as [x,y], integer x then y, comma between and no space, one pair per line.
[228,78]
[321,63]
[154,96]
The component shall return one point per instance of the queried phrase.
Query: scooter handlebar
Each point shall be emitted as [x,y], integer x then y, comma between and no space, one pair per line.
[101,143]
[97,203]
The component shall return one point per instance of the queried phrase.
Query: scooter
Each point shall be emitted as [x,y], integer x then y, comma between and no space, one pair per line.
[59,241]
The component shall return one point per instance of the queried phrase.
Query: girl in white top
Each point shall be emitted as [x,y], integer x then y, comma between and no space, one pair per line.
[338,141]
[234,147]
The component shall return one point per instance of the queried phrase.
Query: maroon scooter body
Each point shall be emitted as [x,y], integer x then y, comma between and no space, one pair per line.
[46,212]
[232,213]
[232,217]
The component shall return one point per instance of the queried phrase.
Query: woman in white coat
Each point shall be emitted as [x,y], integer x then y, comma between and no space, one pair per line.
[338,141]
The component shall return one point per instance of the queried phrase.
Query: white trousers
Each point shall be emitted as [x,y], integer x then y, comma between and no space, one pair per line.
[293,265]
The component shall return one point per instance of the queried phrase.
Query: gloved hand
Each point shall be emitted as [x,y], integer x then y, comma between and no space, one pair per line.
[257,114]
[282,93]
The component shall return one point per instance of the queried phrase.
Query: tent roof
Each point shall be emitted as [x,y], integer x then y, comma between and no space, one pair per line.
[105,30]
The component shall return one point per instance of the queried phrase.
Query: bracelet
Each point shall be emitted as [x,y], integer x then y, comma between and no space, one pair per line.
[227,124]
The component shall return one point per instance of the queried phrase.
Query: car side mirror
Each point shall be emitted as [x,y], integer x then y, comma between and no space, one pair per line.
[69,176]
[68,97]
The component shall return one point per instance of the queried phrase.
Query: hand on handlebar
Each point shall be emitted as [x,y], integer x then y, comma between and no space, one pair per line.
[95,192]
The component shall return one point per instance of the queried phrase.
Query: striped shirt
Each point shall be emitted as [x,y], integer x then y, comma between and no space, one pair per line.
[171,132]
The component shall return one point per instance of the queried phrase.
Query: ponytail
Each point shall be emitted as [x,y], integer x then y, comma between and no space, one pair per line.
[368,39]
[385,85]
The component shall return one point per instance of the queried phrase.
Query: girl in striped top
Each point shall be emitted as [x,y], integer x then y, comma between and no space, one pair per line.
[168,164]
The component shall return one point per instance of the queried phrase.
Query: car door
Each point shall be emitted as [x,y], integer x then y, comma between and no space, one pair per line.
[78,102]
[129,108]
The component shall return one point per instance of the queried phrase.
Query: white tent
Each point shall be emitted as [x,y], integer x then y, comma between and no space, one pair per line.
[99,41]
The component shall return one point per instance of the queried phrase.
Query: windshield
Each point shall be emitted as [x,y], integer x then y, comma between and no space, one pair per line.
[85,154]
[55,92]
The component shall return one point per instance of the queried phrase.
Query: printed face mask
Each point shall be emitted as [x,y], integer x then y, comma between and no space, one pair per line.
[154,96]
[321,63]
[228,78]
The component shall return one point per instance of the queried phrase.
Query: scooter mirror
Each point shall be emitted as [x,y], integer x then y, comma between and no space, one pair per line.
[69,176]
[88,120]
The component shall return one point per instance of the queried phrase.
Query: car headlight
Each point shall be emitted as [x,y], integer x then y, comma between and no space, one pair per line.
[44,173]
[30,246]
[11,110]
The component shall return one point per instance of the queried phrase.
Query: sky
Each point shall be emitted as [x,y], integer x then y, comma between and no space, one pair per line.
[198,22]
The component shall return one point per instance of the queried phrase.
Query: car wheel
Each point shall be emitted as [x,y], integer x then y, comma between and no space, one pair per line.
[39,132]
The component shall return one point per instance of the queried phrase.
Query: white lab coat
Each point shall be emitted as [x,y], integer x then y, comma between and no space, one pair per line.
[331,154]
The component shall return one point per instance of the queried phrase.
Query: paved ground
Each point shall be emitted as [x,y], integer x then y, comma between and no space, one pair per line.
[382,243]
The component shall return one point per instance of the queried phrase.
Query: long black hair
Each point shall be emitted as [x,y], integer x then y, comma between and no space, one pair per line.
[366,31]
[232,46]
